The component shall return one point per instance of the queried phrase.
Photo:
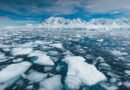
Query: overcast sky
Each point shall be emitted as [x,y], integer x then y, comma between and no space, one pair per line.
[36,10]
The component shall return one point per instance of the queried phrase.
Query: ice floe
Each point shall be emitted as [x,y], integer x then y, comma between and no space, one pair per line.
[127,84]
[52,83]
[18,60]
[35,76]
[8,83]
[127,72]
[2,57]
[57,45]
[118,53]
[13,70]
[21,51]
[38,57]
[100,40]
[80,72]
[107,86]
[53,53]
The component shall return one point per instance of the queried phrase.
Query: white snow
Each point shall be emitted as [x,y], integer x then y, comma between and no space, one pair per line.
[52,83]
[21,51]
[13,70]
[42,59]
[35,76]
[80,72]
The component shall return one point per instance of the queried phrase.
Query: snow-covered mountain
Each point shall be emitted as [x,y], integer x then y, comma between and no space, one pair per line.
[63,23]
[103,21]
[60,22]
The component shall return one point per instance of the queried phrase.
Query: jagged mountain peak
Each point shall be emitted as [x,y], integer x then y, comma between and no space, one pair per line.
[106,21]
[61,20]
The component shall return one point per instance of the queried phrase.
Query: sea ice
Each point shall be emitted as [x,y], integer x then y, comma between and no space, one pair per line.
[2,57]
[52,83]
[42,58]
[8,83]
[13,70]
[35,76]
[127,72]
[21,51]
[118,53]
[57,45]
[80,72]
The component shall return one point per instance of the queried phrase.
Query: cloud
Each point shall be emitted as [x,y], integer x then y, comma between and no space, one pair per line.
[7,21]
[39,7]
[106,6]
[60,7]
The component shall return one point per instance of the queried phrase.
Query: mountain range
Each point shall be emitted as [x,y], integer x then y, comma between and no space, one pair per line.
[60,22]
[78,23]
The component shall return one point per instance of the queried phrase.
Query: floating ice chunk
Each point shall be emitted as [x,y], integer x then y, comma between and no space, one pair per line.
[52,83]
[127,84]
[31,44]
[118,53]
[48,68]
[21,51]
[2,57]
[13,70]
[104,66]
[53,53]
[80,72]
[35,76]
[6,49]
[42,58]
[100,40]
[4,46]
[38,42]
[18,60]
[26,45]
[107,86]
[8,83]
[127,72]
[57,45]
[113,80]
